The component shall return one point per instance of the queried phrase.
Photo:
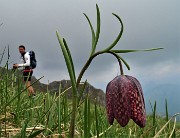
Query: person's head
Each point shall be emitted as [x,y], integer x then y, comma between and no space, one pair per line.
[22,49]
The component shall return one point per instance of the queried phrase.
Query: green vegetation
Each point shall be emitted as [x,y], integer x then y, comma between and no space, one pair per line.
[93,54]
[48,115]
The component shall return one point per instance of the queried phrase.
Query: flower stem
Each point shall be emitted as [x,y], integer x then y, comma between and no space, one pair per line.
[119,60]
[86,66]
[90,60]
[121,68]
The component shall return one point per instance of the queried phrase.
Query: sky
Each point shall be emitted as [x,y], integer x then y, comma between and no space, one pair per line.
[147,24]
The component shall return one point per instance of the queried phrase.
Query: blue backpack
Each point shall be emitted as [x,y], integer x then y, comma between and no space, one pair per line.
[33,62]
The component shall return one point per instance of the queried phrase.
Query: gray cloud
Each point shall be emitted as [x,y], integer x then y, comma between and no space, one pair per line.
[147,24]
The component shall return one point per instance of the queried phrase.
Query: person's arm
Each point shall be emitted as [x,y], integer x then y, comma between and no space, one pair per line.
[27,60]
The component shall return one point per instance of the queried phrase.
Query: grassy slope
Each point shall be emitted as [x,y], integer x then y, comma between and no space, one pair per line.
[48,115]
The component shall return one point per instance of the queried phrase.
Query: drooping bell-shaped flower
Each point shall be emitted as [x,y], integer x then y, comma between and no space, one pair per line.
[124,101]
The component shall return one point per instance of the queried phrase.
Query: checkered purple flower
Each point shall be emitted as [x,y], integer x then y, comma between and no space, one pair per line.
[124,101]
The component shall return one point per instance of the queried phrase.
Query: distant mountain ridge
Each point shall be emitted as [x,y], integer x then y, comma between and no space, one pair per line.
[53,87]
[94,94]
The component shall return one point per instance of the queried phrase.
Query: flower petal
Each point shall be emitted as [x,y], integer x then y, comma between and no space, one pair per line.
[138,113]
[121,102]
[109,106]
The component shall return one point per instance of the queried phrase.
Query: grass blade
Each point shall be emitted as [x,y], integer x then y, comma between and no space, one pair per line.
[157,135]
[167,114]
[2,55]
[65,110]
[19,94]
[85,118]
[89,117]
[103,132]
[174,134]
[81,92]
[36,133]
[96,117]
[23,130]
[154,118]
[173,131]
[59,111]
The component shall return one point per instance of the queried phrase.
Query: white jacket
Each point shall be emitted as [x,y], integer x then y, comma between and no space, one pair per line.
[25,61]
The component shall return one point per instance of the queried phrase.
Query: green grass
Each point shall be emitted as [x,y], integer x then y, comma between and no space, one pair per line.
[49,115]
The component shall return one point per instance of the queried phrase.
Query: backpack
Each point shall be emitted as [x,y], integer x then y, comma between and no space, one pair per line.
[33,62]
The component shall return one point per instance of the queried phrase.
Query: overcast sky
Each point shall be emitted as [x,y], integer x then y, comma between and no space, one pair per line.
[147,24]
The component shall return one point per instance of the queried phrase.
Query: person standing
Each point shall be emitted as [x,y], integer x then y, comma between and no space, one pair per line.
[27,70]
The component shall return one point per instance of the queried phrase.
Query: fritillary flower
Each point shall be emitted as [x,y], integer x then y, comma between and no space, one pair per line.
[124,101]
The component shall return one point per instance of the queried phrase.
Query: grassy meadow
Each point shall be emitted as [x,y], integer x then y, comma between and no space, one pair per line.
[48,115]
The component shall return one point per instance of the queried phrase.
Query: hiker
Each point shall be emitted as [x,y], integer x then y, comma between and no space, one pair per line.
[27,69]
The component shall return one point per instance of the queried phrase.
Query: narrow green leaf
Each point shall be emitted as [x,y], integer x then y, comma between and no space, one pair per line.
[2,55]
[23,130]
[167,114]
[73,83]
[119,35]
[97,121]
[85,118]
[174,134]
[65,110]
[81,92]
[68,64]
[154,114]
[59,110]
[70,57]
[36,133]
[97,30]
[154,119]
[92,30]
[88,117]
[7,62]
[128,51]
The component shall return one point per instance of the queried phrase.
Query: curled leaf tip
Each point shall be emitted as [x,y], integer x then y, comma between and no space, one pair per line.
[119,35]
